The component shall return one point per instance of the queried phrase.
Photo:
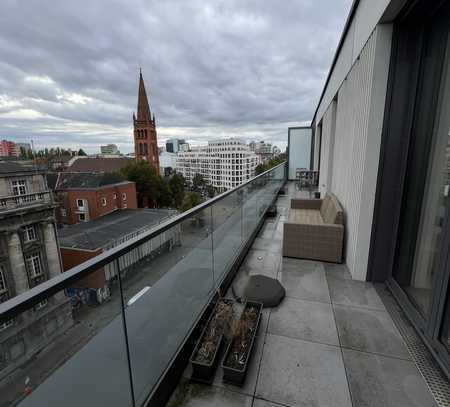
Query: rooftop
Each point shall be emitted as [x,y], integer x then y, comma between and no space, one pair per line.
[17,166]
[107,229]
[99,164]
[87,180]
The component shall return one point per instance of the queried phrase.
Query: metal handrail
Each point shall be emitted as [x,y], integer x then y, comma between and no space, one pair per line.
[26,300]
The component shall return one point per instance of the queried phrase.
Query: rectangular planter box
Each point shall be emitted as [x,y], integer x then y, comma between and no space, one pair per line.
[237,376]
[204,372]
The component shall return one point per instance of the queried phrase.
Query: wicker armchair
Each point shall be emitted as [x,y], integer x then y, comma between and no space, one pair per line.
[314,229]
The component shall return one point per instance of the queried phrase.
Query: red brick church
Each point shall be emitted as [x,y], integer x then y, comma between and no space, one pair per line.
[145,140]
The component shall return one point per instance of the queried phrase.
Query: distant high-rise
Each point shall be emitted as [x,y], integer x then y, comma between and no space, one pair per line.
[145,139]
[173,145]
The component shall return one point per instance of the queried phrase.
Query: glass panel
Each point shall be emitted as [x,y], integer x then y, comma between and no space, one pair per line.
[165,292]
[67,350]
[228,232]
[417,281]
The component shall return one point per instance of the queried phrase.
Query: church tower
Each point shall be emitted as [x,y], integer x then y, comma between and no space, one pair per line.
[145,141]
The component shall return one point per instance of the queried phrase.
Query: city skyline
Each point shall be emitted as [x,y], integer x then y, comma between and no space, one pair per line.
[84,98]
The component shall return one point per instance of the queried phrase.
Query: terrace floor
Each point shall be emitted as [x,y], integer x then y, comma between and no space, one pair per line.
[330,343]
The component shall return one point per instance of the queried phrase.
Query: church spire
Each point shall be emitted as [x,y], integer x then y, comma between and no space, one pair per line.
[143,109]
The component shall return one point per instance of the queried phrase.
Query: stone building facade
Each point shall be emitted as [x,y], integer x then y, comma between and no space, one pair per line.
[145,139]
[29,255]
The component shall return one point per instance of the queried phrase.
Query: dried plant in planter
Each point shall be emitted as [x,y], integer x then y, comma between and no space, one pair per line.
[243,333]
[218,326]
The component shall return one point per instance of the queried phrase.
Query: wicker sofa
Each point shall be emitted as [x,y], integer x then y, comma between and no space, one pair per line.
[314,229]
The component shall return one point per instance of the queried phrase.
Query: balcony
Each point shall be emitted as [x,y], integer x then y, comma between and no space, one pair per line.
[330,342]
[18,202]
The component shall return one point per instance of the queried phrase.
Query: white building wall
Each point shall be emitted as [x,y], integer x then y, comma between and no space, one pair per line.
[366,17]
[349,160]
[224,164]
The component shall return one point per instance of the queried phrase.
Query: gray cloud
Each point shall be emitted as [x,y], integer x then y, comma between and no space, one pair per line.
[68,70]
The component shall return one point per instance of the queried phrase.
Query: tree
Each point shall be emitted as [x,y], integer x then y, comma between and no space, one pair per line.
[190,200]
[211,191]
[177,188]
[81,152]
[260,168]
[148,183]
[165,199]
[198,182]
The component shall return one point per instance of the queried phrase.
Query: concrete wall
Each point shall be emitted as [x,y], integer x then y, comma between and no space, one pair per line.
[351,136]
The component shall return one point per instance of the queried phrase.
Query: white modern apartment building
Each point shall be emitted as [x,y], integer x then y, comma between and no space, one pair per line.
[223,163]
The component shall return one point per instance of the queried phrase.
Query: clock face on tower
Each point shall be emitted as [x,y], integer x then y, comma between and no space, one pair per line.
[145,138]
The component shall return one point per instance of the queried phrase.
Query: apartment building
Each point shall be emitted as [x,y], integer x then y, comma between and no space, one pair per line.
[109,149]
[86,196]
[29,256]
[223,163]
[9,149]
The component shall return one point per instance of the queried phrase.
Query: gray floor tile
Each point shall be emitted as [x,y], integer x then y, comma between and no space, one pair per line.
[263,403]
[354,293]
[300,373]
[337,271]
[382,381]
[262,259]
[272,246]
[304,280]
[369,331]
[190,394]
[307,320]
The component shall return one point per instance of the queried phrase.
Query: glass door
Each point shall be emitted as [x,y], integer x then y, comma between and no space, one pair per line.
[420,272]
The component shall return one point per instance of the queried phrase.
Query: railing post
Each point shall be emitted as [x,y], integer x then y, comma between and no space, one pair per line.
[125,333]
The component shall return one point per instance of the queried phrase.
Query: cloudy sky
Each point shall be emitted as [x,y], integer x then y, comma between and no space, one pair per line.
[69,69]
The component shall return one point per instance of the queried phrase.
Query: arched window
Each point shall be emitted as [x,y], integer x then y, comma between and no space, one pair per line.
[145,149]
[145,133]
[141,148]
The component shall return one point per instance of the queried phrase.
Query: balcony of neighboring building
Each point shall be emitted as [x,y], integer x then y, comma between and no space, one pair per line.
[14,203]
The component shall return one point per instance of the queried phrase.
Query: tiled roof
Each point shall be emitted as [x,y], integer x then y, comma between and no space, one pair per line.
[78,180]
[99,164]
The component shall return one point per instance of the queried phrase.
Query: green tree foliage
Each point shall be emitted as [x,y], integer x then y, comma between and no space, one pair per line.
[165,199]
[81,152]
[198,182]
[260,168]
[148,182]
[190,200]
[177,188]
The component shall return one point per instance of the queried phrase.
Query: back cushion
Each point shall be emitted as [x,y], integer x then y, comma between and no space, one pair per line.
[331,210]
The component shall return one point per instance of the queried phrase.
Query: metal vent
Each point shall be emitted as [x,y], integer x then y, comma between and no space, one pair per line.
[434,377]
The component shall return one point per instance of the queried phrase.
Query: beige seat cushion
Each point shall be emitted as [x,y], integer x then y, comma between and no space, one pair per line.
[305,216]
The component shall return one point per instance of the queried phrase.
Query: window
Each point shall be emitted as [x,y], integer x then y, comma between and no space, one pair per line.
[40,305]
[3,286]
[103,201]
[124,196]
[80,203]
[29,233]
[115,196]
[82,217]
[34,264]
[6,324]
[19,187]
[63,212]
